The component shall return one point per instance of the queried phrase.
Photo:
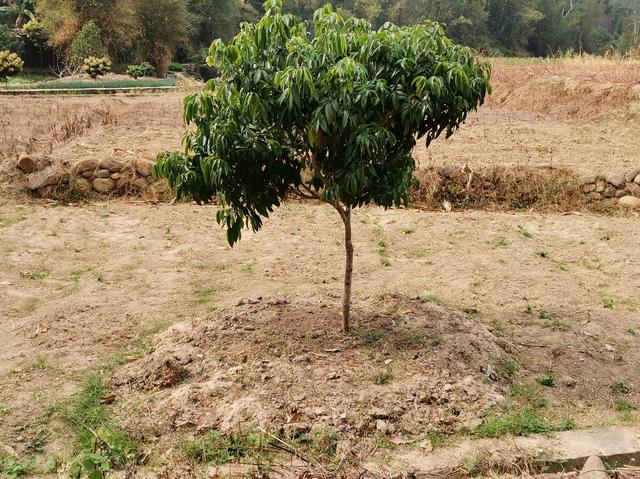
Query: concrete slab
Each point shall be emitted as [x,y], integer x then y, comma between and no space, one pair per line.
[593,469]
[564,451]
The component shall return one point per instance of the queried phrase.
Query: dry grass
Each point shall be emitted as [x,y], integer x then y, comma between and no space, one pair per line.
[502,188]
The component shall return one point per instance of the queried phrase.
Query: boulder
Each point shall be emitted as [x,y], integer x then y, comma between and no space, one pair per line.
[144,167]
[634,189]
[600,186]
[616,179]
[631,175]
[629,202]
[104,185]
[637,180]
[26,163]
[140,183]
[122,182]
[448,170]
[588,187]
[102,174]
[609,191]
[112,164]
[85,165]
[40,179]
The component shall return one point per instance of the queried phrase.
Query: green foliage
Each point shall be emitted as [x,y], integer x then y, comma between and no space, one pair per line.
[334,114]
[523,423]
[176,67]
[547,380]
[217,448]
[87,44]
[10,64]
[102,444]
[144,69]
[34,31]
[10,41]
[621,387]
[95,67]
[11,467]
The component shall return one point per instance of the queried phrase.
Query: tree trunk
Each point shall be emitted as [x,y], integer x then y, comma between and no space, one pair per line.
[348,271]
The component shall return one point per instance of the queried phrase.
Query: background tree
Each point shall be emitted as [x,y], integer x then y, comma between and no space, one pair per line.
[88,43]
[163,24]
[332,115]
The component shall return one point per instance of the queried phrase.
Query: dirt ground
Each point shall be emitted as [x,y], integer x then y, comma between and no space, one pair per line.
[197,335]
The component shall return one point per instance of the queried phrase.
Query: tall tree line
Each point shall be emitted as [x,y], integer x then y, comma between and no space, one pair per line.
[158,31]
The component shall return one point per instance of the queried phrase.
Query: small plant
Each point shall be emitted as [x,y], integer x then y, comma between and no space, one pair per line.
[510,366]
[408,230]
[96,66]
[621,405]
[432,298]
[524,232]
[323,442]
[216,448]
[176,67]
[529,394]
[547,380]
[36,274]
[543,254]
[142,70]
[382,376]
[500,241]
[525,423]
[620,387]
[607,302]
[11,467]
[10,64]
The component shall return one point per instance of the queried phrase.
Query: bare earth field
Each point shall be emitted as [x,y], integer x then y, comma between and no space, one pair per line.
[461,318]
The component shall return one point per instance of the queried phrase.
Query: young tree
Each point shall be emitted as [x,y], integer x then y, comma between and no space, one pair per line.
[332,115]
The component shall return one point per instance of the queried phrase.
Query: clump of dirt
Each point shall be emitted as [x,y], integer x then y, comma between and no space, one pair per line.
[409,366]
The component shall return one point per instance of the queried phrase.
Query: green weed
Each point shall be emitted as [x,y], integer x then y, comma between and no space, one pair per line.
[215,447]
[11,467]
[621,405]
[382,376]
[547,380]
[621,387]
[36,274]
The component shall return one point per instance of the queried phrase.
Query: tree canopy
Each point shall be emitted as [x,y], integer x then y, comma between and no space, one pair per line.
[330,113]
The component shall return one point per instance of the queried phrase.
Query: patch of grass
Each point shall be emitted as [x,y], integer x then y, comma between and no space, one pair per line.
[82,85]
[607,302]
[220,266]
[497,326]
[547,380]
[31,304]
[621,386]
[205,296]
[436,438]
[524,423]
[500,242]
[40,363]
[417,253]
[621,405]
[248,266]
[552,322]
[408,230]
[382,376]
[528,394]
[323,442]
[369,336]
[632,331]
[431,298]
[543,254]
[11,467]
[510,366]
[36,274]
[524,232]
[102,444]
[561,265]
[216,448]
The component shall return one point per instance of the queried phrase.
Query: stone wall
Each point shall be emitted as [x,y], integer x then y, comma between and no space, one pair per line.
[623,186]
[106,176]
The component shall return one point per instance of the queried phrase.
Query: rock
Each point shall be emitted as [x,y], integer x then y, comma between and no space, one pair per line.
[104,185]
[122,182]
[379,413]
[447,170]
[385,427]
[116,176]
[600,186]
[102,174]
[629,202]
[609,191]
[634,189]
[87,174]
[631,175]
[144,167]
[85,165]
[616,179]
[40,179]
[594,196]
[112,164]
[589,187]
[621,193]
[472,423]
[26,163]
[140,183]
[568,382]
[637,180]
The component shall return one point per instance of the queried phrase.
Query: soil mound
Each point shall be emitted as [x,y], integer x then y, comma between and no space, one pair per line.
[409,366]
